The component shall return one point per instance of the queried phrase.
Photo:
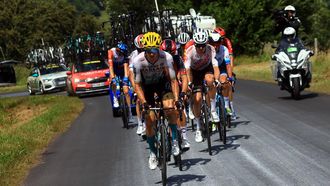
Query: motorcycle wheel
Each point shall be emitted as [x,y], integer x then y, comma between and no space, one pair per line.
[296,88]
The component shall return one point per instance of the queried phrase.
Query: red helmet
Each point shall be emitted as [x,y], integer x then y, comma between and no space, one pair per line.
[168,45]
[221,31]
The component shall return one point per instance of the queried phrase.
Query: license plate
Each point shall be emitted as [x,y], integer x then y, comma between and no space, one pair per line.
[98,84]
[61,82]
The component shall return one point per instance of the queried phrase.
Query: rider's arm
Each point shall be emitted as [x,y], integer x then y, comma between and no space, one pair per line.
[229,67]
[137,81]
[215,64]
[187,63]
[230,50]
[183,76]
[110,62]
[171,73]
[126,69]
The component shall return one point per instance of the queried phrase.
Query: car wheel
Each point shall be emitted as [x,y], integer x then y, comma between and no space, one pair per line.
[30,89]
[41,88]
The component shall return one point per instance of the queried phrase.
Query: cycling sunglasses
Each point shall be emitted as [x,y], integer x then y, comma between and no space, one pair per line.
[152,50]
[200,45]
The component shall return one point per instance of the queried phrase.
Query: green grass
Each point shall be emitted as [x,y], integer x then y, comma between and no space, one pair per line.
[258,68]
[27,125]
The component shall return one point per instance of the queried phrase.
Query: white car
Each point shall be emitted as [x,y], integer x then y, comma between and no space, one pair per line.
[45,79]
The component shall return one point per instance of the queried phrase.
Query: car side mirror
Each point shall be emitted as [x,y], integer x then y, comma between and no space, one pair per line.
[69,73]
[35,75]
[107,74]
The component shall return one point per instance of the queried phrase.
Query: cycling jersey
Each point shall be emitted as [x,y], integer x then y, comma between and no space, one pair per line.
[178,65]
[117,62]
[188,45]
[131,57]
[198,62]
[226,42]
[152,73]
[223,58]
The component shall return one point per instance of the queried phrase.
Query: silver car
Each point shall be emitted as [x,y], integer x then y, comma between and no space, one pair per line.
[46,79]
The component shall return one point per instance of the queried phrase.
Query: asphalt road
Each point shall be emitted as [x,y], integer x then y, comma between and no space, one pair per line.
[275,141]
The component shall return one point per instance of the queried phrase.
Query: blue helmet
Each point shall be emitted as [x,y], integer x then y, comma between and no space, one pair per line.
[122,47]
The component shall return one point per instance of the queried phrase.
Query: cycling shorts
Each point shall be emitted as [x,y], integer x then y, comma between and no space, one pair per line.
[162,89]
[199,76]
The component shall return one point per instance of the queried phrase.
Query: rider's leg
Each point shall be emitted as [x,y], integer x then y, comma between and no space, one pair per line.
[128,100]
[115,99]
[209,78]
[225,91]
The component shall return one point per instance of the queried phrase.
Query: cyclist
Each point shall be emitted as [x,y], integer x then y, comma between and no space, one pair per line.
[139,48]
[201,65]
[118,66]
[169,46]
[226,76]
[227,43]
[182,39]
[154,73]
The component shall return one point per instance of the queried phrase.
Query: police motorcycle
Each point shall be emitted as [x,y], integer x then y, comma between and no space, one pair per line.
[291,67]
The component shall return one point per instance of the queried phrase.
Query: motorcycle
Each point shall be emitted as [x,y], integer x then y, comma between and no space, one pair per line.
[291,68]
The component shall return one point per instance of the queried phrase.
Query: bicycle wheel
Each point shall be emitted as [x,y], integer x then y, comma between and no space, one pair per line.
[163,153]
[223,118]
[177,158]
[124,110]
[206,122]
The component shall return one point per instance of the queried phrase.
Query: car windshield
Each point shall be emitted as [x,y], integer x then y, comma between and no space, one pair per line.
[91,65]
[53,69]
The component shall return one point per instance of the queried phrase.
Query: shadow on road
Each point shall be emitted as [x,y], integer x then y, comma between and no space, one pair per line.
[180,179]
[187,163]
[303,96]
[234,124]
[216,149]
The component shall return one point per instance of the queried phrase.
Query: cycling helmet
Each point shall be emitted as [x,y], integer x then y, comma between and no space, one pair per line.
[214,37]
[200,37]
[122,47]
[168,45]
[138,41]
[151,40]
[289,33]
[183,38]
[221,31]
[290,8]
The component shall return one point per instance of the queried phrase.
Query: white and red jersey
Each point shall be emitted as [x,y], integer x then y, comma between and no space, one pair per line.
[153,73]
[131,57]
[197,61]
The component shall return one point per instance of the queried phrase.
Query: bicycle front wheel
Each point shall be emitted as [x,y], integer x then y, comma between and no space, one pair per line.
[206,123]
[124,110]
[163,153]
[223,119]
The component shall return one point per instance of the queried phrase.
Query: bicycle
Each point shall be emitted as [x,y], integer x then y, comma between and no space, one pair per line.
[164,140]
[221,110]
[204,117]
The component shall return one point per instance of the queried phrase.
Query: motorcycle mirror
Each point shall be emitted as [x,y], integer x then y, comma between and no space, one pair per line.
[273,57]
[311,53]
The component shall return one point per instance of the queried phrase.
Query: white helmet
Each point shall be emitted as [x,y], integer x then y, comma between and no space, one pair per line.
[183,38]
[289,32]
[214,37]
[138,41]
[290,8]
[200,37]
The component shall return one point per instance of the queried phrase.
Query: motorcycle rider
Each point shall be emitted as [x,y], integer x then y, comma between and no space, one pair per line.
[286,18]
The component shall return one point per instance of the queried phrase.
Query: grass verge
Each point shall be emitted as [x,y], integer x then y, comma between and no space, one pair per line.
[27,126]
[258,69]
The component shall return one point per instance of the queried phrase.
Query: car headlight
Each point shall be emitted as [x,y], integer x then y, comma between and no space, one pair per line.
[46,80]
[76,80]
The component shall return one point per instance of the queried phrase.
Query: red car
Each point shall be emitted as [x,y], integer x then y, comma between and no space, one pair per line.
[87,77]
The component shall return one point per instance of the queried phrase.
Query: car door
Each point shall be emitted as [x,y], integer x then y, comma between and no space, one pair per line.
[32,79]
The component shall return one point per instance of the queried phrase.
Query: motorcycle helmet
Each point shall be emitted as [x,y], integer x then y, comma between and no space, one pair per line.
[183,38]
[291,9]
[169,46]
[289,33]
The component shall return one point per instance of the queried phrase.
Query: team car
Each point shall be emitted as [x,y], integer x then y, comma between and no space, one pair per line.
[46,78]
[87,78]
